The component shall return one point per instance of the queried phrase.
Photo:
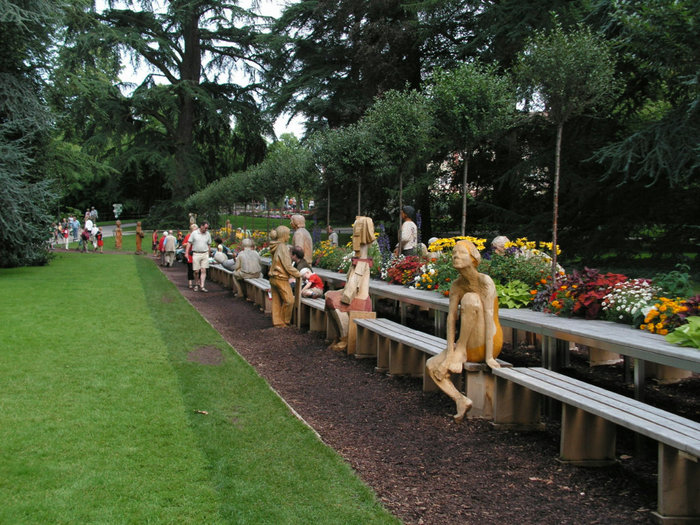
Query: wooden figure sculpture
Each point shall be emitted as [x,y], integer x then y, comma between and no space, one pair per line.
[139,238]
[118,236]
[355,295]
[480,333]
[281,270]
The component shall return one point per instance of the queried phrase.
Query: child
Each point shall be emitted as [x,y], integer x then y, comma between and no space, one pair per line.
[100,242]
[313,285]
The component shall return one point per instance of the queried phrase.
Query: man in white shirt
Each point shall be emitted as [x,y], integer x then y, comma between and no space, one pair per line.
[199,243]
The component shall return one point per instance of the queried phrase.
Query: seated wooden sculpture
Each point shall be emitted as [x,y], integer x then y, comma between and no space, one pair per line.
[355,295]
[474,301]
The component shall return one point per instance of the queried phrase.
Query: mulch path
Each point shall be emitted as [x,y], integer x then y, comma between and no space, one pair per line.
[425,468]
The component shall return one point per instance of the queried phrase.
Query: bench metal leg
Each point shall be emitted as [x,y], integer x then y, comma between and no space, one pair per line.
[586,439]
[639,379]
[678,487]
[515,407]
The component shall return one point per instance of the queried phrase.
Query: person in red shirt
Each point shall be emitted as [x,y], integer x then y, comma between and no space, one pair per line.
[313,285]
[188,256]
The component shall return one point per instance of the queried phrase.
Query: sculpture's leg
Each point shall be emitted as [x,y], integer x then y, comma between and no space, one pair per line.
[341,320]
[277,315]
[287,303]
[239,288]
[472,334]
[435,365]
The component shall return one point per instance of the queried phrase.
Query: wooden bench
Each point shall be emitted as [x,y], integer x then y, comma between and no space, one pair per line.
[589,416]
[258,290]
[403,351]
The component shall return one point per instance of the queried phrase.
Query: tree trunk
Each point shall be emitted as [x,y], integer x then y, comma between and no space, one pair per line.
[555,215]
[465,179]
[190,72]
[400,202]
[359,193]
[328,204]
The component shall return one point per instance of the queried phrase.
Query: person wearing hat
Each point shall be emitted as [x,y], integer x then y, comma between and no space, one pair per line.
[408,236]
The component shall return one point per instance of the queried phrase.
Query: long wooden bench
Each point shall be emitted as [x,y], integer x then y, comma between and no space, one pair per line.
[258,290]
[403,351]
[638,347]
[589,418]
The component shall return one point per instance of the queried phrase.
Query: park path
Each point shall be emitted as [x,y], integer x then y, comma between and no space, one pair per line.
[108,229]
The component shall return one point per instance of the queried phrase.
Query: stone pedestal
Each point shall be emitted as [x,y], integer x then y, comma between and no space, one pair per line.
[665,374]
[598,357]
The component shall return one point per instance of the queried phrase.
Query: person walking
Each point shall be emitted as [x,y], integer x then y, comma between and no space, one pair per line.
[200,241]
[188,256]
[170,246]
[154,242]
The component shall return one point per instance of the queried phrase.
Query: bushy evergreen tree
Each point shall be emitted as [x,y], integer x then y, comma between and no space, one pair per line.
[26,196]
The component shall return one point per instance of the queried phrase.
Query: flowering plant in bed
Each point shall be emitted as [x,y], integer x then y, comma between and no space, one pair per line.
[328,256]
[403,269]
[626,300]
[436,274]
[582,293]
[666,314]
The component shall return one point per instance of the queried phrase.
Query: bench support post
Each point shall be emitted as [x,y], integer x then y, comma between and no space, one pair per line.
[586,439]
[480,387]
[352,329]
[405,360]
[678,487]
[515,407]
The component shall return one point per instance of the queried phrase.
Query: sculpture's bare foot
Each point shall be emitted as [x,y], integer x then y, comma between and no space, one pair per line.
[339,346]
[493,363]
[464,405]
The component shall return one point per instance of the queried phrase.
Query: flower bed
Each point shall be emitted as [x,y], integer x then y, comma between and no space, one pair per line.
[522,275]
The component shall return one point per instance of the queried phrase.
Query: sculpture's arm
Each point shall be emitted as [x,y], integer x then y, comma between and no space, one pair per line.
[456,294]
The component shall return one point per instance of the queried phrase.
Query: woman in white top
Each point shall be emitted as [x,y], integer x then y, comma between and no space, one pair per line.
[408,237]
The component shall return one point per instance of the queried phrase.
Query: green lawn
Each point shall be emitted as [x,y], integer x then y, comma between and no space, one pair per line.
[98,412]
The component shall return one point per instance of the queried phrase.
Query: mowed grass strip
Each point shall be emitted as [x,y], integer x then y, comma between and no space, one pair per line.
[100,411]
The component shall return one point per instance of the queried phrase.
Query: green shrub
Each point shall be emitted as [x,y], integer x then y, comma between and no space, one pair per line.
[505,268]
[514,294]
[675,283]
